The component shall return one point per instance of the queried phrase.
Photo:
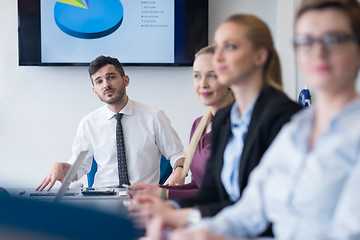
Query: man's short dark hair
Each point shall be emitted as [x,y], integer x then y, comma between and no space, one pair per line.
[102,61]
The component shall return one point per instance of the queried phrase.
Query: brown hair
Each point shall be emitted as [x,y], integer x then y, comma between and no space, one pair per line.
[350,7]
[101,61]
[260,36]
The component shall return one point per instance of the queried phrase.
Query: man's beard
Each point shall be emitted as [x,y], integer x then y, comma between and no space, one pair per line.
[112,100]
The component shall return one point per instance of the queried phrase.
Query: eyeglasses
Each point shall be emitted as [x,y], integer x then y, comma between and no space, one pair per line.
[330,42]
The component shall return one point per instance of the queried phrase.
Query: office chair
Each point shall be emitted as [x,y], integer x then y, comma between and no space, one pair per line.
[165,171]
[91,174]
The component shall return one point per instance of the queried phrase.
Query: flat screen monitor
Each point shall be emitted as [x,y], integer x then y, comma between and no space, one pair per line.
[137,32]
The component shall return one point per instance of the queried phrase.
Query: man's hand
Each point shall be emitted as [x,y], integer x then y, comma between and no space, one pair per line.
[175,177]
[57,173]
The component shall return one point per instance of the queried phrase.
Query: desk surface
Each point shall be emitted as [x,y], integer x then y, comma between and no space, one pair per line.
[108,203]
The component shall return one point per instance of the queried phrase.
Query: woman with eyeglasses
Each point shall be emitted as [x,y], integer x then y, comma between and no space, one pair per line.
[307,184]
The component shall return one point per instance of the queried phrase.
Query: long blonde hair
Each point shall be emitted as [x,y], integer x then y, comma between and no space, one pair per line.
[195,141]
[202,124]
[260,36]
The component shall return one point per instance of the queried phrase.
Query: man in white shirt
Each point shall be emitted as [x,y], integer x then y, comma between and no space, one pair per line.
[147,134]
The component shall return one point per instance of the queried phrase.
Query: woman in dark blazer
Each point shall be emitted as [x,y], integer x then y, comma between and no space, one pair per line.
[271,111]
[245,59]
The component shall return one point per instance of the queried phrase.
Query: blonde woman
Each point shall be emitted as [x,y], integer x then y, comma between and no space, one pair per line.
[213,95]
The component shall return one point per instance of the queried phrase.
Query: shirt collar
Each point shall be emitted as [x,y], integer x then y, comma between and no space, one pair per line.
[127,110]
[237,119]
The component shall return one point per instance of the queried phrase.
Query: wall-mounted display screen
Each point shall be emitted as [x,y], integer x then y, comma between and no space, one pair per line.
[137,32]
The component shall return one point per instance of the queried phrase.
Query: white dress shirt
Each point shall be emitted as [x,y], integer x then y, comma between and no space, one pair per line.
[306,194]
[147,134]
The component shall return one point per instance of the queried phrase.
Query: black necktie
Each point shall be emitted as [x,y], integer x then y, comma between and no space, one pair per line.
[121,156]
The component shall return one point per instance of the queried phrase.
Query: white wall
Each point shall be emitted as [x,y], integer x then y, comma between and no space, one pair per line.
[40,107]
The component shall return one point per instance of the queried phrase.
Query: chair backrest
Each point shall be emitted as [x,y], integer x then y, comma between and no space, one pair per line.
[91,174]
[165,171]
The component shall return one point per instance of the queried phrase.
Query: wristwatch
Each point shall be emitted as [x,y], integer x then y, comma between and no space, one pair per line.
[193,216]
[175,167]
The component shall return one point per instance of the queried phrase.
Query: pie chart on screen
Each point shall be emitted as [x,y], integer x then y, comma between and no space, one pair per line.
[88,19]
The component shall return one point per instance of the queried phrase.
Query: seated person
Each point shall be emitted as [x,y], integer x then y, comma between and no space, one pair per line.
[246,60]
[144,131]
[307,184]
[213,95]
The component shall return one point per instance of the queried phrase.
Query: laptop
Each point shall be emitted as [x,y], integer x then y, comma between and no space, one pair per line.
[69,177]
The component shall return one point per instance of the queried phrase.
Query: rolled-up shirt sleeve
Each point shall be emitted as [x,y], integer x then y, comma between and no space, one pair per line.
[167,139]
[82,143]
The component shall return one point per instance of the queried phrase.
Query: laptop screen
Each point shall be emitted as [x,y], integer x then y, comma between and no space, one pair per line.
[70,176]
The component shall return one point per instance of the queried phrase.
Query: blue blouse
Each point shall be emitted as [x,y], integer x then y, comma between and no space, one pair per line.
[306,193]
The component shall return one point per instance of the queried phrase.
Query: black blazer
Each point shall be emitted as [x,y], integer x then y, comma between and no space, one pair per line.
[271,111]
